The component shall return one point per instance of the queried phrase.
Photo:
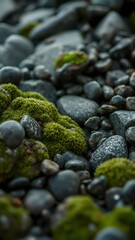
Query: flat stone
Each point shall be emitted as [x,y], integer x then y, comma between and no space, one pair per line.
[121,119]
[114,146]
[78,108]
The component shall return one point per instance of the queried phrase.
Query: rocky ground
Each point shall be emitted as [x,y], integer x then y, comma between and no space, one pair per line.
[67,120]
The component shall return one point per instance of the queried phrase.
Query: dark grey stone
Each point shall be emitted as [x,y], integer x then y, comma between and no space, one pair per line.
[77,164]
[130,103]
[112,197]
[64,184]
[5,31]
[130,135]
[37,200]
[113,4]
[121,120]
[10,75]
[111,233]
[7,7]
[78,108]
[43,87]
[93,90]
[128,192]
[114,146]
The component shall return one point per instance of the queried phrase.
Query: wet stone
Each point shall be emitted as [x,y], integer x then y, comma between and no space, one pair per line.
[128,192]
[83,175]
[75,90]
[43,87]
[112,197]
[103,65]
[122,81]
[93,123]
[38,182]
[118,101]
[5,31]
[94,139]
[12,133]
[130,135]
[113,76]
[121,120]
[124,91]
[27,63]
[130,103]
[106,124]
[108,92]
[111,233]
[10,75]
[92,90]
[114,146]
[78,108]
[106,109]
[97,187]
[41,72]
[49,167]
[64,184]
[77,164]
[20,182]
[31,127]
[37,200]
[113,4]
[132,80]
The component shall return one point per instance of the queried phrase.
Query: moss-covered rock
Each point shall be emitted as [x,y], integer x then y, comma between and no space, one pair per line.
[117,171]
[73,57]
[14,220]
[80,219]
[60,133]
[122,218]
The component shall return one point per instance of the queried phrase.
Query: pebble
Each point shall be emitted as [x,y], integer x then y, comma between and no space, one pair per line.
[118,101]
[112,4]
[92,90]
[41,72]
[114,146]
[83,175]
[36,200]
[12,133]
[112,197]
[64,184]
[94,139]
[5,31]
[43,87]
[106,109]
[104,65]
[121,120]
[108,92]
[130,103]
[49,167]
[124,91]
[78,108]
[77,164]
[39,182]
[113,76]
[111,234]
[122,81]
[27,63]
[97,187]
[106,124]
[31,127]
[128,192]
[20,182]
[132,80]
[92,123]
[10,75]
[130,135]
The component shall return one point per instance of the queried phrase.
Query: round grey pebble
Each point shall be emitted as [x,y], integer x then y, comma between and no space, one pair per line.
[93,90]
[132,80]
[31,127]
[12,133]
[103,65]
[78,108]
[64,184]
[106,109]
[77,164]
[110,233]
[130,135]
[128,192]
[130,103]
[37,200]
[97,187]
[41,72]
[49,167]
[17,183]
[92,123]
[118,101]
[10,75]
[94,139]
[112,197]
[108,92]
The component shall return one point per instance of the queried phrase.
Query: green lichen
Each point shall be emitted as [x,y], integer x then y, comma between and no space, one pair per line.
[117,171]
[122,218]
[80,220]
[74,57]
[26,29]
[23,161]
[60,133]
[16,221]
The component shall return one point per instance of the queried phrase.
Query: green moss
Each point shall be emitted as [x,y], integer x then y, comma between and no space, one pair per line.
[60,133]
[117,171]
[25,30]
[24,161]
[80,220]
[122,218]
[14,217]
[75,57]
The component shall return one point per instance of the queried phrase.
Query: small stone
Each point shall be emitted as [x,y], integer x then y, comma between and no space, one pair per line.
[108,92]
[39,182]
[97,187]
[64,184]
[77,164]
[106,109]
[75,90]
[130,135]
[106,124]
[10,75]
[27,63]
[132,80]
[41,72]
[94,139]
[37,200]
[113,76]
[114,146]
[112,197]
[83,175]
[122,81]
[124,91]
[130,103]
[49,167]
[128,192]
[93,90]
[20,182]
[110,233]
[31,127]
[103,65]
[12,133]
[118,101]
[92,123]
[78,108]
[112,4]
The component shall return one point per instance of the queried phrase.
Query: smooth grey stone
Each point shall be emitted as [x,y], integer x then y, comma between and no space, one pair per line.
[5,31]
[49,167]
[15,49]
[18,183]
[7,7]
[63,21]
[118,101]
[31,127]
[43,87]
[112,196]
[64,184]
[132,80]
[110,25]
[130,135]
[97,187]
[121,120]
[113,76]
[78,108]
[77,164]
[12,133]
[111,233]
[93,123]
[130,103]
[93,90]
[37,200]
[47,55]
[113,4]
[10,75]
[108,92]
[128,192]
[114,146]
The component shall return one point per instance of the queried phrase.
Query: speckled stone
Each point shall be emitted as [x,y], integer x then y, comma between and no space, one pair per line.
[114,146]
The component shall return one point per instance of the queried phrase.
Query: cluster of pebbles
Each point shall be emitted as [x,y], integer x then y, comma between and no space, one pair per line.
[80,56]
